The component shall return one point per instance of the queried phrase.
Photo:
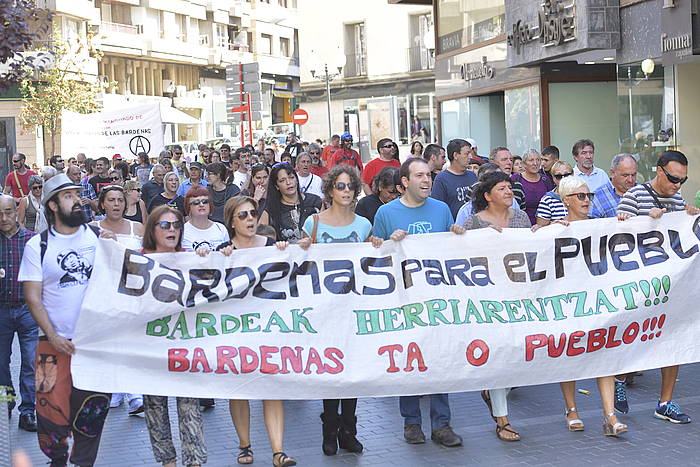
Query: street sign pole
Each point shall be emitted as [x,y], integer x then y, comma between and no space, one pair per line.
[250,121]
[328,103]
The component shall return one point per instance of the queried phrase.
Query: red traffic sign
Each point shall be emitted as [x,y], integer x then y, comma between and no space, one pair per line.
[300,116]
[243,108]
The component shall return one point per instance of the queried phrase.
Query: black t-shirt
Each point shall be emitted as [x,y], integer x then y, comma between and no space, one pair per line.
[220,198]
[268,242]
[158,200]
[149,190]
[98,182]
[367,207]
[292,217]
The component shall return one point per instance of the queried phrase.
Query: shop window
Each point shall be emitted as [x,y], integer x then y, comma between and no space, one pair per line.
[461,23]
[522,118]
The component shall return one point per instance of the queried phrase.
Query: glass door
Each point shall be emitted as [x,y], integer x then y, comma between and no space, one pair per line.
[7,145]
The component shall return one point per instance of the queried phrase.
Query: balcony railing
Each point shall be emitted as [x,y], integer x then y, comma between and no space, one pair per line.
[107,26]
[355,65]
[420,58]
[239,47]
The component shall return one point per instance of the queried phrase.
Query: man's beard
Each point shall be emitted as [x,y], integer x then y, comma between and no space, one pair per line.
[72,219]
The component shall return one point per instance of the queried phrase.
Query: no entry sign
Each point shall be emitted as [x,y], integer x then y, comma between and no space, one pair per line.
[300,116]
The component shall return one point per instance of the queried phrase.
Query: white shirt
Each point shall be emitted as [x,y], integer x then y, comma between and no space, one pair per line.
[595,179]
[194,238]
[311,184]
[240,179]
[65,273]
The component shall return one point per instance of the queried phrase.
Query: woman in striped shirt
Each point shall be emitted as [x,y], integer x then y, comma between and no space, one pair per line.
[551,207]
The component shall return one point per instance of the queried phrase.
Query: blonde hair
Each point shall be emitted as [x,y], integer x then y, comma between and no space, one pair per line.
[570,184]
[559,164]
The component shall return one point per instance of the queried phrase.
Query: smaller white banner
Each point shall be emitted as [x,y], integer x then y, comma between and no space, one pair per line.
[126,131]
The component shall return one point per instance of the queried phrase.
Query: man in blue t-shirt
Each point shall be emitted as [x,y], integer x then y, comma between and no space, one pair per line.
[416,213]
[452,185]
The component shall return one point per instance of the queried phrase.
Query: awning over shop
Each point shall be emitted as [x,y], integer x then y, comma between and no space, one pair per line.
[283,94]
[172,115]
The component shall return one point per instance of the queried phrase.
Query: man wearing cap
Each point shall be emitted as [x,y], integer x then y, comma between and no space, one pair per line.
[385,148]
[16,182]
[14,313]
[196,173]
[346,154]
[56,268]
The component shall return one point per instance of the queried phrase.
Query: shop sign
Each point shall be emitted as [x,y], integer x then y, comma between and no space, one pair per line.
[677,32]
[477,70]
[556,23]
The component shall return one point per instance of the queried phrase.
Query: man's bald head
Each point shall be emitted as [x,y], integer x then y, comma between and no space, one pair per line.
[8,215]
[73,173]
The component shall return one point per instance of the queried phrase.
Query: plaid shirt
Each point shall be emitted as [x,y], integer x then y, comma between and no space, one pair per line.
[605,202]
[11,251]
[87,192]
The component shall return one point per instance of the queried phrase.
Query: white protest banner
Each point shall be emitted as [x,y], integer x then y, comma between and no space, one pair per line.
[126,131]
[433,313]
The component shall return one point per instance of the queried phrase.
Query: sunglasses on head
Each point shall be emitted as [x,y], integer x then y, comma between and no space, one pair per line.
[560,176]
[582,196]
[165,225]
[280,164]
[341,186]
[673,179]
[197,202]
[243,215]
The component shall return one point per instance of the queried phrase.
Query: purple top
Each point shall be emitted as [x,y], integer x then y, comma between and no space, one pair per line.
[533,193]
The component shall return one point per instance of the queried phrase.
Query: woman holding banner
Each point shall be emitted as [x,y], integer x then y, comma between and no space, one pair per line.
[339,224]
[163,234]
[577,198]
[492,202]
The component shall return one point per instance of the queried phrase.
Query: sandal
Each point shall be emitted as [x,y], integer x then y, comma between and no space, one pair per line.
[576,424]
[500,429]
[246,455]
[487,400]
[613,429]
[280,459]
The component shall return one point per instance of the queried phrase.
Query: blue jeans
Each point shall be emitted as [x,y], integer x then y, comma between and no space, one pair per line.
[18,319]
[439,410]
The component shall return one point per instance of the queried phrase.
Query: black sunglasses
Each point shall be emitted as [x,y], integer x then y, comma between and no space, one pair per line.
[37,187]
[341,186]
[388,146]
[197,202]
[243,215]
[165,225]
[560,176]
[582,196]
[114,179]
[673,179]
[314,152]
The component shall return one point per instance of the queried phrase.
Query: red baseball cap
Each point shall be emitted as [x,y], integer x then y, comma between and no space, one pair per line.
[117,157]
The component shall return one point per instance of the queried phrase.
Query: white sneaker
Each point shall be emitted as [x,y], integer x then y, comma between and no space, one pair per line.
[117,399]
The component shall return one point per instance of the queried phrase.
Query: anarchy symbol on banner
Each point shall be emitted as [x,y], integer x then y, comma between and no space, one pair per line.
[139,144]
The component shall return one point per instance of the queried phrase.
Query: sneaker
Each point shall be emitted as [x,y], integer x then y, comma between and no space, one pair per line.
[206,404]
[413,434]
[117,399]
[671,412]
[621,404]
[135,406]
[446,437]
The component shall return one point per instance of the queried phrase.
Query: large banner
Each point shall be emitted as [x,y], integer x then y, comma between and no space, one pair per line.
[126,131]
[433,313]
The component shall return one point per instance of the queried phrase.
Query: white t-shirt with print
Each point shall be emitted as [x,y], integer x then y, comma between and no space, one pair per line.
[194,238]
[240,179]
[311,184]
[65,273]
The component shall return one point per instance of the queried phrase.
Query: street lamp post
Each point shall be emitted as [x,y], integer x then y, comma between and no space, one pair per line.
[327,77]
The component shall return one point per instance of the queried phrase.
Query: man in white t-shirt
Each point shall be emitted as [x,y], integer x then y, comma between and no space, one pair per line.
[240,176]
[56,268]
[308,182]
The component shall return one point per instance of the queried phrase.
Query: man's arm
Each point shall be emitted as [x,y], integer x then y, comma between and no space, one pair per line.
[32,295]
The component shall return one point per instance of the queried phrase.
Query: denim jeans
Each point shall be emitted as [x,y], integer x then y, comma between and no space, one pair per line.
[18,319]
[439,410]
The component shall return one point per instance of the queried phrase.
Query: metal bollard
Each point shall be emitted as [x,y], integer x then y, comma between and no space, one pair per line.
[5,437]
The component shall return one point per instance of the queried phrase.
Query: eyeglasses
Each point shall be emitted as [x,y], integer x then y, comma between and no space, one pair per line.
[114,179]
[37,187]
[560,176]
[243,215]
[197,202]
[673,179]
[165,225]
[341,186]
[582,196]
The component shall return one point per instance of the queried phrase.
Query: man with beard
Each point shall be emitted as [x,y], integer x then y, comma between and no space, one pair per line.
[346,154]
[56,268]
[584,152]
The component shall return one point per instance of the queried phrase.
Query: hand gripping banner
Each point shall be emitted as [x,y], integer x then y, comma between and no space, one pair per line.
[433,313]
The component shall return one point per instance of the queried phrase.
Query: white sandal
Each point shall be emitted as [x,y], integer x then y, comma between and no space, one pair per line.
[615,429]
[575,421]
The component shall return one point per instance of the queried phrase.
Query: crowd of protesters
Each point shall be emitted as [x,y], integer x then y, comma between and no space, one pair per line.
[223,200]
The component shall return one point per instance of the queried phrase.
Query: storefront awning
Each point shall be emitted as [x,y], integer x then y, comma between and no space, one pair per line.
[172,115]
[283,94]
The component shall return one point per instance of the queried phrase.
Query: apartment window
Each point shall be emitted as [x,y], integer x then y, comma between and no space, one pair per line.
[221,32]
[249,41]
[181,23]
[265,46]
[420,57]
[283,3]
[461,24]
[115,13]
[71,30]
[285,48]
[355,50]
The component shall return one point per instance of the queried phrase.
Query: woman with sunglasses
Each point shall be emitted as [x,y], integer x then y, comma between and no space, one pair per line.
[219,190]
[286,208]
[169,196]
[577,197]
[492,204]
[535,185]
[201,232]
[135,207]
[115,176]
[551,207]
[30,212]
[339,224]
[383,191]
[163,234]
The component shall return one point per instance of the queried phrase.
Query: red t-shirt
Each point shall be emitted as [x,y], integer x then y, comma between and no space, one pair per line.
[327,153]
[319,171]
[11,181]
[375,166]
[350,157]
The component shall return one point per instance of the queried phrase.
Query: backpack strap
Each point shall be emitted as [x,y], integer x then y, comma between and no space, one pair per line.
[44,240]
[653,195]
[19,185]
[315,229]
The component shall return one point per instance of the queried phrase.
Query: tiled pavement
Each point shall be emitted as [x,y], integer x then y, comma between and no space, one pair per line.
[537,412]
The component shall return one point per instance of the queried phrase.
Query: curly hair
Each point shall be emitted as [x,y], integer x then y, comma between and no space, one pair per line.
[485,185]
[332,176]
